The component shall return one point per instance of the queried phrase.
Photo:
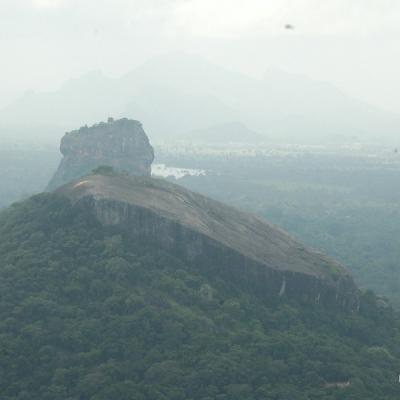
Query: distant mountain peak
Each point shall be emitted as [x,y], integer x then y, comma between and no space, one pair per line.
[229,132]
[178,93]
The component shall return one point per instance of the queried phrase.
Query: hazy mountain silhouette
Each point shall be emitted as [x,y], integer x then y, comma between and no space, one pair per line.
[178,93]
[232,132]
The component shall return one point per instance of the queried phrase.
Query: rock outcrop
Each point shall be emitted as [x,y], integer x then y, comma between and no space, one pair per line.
[121,144]
[220,240]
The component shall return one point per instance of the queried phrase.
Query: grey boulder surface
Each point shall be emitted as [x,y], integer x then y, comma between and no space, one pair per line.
[214,237]
[121,144]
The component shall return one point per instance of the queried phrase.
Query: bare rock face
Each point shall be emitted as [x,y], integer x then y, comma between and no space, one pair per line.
[217,239]
[121,144]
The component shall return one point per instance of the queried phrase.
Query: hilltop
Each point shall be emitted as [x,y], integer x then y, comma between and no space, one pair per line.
[214,236]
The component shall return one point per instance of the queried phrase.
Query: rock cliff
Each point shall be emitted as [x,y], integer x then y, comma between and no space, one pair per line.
[236,246]
[121,144]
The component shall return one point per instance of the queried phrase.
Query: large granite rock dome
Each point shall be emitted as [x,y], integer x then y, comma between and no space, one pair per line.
[220,240]
[121,144]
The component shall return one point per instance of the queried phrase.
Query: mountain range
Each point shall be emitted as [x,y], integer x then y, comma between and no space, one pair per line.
[176,94]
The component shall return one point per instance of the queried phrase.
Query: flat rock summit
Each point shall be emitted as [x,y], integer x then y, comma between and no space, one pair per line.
[219,239]
[121,144]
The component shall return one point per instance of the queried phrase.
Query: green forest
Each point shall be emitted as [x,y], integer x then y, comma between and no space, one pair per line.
[87,313]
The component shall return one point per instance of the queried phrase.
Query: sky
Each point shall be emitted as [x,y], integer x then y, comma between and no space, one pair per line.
[353,44]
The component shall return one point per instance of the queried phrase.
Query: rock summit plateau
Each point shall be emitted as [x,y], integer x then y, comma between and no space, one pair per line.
[121,144]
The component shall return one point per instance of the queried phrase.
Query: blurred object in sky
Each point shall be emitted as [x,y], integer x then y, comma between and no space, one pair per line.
[289,27]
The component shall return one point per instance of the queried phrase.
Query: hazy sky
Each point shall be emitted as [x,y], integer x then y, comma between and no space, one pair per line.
[352,43]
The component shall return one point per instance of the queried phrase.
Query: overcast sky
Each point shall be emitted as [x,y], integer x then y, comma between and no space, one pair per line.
[351,43]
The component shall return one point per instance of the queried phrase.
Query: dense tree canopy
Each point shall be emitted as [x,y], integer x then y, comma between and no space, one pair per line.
[86,313]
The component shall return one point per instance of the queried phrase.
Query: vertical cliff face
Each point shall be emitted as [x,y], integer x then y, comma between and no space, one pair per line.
[121,144]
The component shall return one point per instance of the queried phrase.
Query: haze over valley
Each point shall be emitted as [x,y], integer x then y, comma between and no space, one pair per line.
[280,107]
